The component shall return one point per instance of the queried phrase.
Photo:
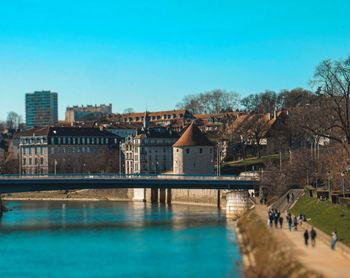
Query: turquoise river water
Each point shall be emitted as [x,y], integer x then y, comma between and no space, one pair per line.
[115,239]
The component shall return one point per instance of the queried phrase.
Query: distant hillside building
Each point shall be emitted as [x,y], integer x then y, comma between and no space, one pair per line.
[41,109]
[163,118]
[87,113]
[68,150]
[124,130]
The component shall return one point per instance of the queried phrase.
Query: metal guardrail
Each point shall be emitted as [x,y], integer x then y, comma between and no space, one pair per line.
[127,177]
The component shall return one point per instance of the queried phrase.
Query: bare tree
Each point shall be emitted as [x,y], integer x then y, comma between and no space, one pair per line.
[13,120]
[215,101]
[128,110]
[265,102]
[330,118]
[252,130]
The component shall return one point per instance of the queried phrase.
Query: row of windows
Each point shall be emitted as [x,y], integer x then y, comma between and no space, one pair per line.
[34,171]
[35,161]
[34,150]
[200,150]
[72,150]
[153,118]
[80,140]
[35,140]
[154,141]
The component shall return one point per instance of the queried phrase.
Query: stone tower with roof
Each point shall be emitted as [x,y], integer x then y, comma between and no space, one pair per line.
[193,153]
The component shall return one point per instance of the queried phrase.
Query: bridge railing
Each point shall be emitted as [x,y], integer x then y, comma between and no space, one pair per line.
[127,177]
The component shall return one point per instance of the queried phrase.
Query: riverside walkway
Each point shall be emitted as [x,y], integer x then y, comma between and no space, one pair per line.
[331,264]
[13,184]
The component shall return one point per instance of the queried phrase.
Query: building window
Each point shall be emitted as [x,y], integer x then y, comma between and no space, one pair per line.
[24,161]
[41,161]
[69,141]
[64,140]
[73,141]
[83,141]
[30,161]
[200,150]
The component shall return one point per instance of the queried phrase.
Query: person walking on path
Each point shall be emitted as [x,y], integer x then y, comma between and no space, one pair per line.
[313,235]
[306,237]
[300,220]
[289,221]
[288,197]
[280,220]
[333,240]
[292,195]
[276,220]
[295,223]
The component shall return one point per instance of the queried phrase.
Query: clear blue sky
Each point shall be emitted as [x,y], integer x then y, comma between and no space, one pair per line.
[152,53]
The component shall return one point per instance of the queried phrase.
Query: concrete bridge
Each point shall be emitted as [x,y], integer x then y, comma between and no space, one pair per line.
[236,187]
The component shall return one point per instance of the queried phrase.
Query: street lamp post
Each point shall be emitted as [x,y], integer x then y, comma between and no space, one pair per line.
[120,159]
[329,185]
[218,161]
[343,182]
[55,167]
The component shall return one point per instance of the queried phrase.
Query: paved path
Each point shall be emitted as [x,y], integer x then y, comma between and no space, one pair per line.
[282,204]
[322,259]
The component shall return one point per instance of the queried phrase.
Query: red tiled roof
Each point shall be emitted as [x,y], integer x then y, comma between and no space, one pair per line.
[192,137]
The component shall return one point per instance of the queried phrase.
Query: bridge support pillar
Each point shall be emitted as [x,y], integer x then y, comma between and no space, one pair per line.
[168,196]
[162,196]
[154,195]
[237,202]
[1,207]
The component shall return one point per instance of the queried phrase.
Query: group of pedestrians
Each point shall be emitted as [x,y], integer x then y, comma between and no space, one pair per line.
[275,218]
[312,234]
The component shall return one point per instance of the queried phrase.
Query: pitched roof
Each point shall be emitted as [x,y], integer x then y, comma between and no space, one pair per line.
[192,137]
[157,132]
[67,131]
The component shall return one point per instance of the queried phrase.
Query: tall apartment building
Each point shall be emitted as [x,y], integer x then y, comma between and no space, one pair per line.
[87,113]
[68,150]
[41,109]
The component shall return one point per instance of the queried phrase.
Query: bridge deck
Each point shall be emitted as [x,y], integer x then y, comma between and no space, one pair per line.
[12,184]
